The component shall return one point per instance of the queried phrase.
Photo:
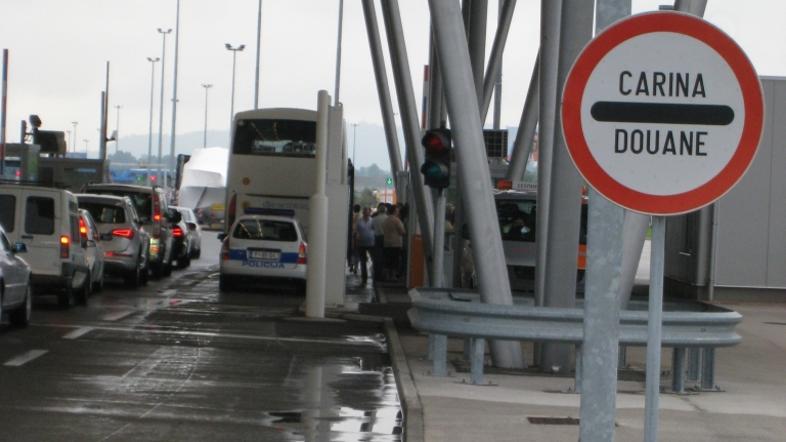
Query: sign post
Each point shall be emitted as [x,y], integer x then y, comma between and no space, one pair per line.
[662,114]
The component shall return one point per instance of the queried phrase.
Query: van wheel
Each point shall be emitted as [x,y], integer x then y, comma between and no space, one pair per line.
[20,317]
[84,292]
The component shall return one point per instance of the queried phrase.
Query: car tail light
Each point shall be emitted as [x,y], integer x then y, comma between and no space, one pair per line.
[156,207]
[65,246]
[225,250]
[82,228]
[123,233]
[301,253]
[177,232]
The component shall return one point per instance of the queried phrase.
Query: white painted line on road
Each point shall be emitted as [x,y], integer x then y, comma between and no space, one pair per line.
[78,333]
[25,357]
[117,315]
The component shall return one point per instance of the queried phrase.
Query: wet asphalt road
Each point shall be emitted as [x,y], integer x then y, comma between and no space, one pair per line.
[176,360]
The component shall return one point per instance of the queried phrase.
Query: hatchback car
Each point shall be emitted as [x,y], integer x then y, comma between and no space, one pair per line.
[263,246]
[124,240]
[194,231]
[15,294]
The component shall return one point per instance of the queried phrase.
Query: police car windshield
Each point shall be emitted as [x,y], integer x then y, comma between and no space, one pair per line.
[265,230]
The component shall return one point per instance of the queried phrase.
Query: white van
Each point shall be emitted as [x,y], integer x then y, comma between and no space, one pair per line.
[46,220]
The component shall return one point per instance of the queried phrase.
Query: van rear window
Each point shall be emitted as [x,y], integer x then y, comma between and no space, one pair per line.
[7,212]
[143,202]
[40,215]
[264,230]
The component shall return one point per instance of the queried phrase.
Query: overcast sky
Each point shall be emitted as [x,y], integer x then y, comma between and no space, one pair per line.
[58,50]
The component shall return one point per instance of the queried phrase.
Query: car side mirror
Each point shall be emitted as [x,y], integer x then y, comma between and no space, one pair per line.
[222,236]
[20,247]
[191,226]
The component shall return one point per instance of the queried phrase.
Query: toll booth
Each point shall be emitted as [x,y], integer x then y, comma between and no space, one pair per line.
[72,173]
[737,249]
[21,162]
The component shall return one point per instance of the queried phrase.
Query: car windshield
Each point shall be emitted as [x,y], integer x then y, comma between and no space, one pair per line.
[265,230]
[105,213]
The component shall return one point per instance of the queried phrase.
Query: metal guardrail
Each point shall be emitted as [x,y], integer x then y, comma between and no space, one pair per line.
[459,313]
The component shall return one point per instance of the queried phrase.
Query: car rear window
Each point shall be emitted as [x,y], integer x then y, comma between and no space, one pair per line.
[265,230]
[143,202]
[40,215]
[7,212]
[105,213]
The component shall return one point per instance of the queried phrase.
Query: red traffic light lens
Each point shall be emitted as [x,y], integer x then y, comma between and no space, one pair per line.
[435,142]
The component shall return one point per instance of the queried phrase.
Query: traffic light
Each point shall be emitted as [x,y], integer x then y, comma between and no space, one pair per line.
[436,168]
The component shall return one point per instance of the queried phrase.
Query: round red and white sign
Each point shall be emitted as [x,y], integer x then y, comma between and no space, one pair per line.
[662,113]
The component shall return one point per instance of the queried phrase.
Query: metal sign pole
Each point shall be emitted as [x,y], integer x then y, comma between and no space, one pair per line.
[654,326]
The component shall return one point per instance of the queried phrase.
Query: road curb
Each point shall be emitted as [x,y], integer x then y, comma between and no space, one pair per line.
[413,409]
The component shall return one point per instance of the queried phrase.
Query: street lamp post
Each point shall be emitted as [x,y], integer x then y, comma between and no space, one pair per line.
[161,108]
[153,62]
[204,135]
[86,141]
[73,146]
[259,42]
[117,128]
[234,63]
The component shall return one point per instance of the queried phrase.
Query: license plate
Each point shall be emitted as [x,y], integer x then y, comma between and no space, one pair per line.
[265,255]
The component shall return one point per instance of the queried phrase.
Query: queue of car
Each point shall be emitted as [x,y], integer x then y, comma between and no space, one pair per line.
[55,242]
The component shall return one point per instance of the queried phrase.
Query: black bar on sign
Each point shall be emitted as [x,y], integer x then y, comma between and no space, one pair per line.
[627,112]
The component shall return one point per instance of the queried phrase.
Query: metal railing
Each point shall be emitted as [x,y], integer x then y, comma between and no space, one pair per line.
[459,313]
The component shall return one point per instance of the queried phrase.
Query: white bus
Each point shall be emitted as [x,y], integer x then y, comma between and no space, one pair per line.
[272,162]
[272,168]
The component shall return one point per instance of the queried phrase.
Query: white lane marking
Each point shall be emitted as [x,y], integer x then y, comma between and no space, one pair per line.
[337,341]
[78,333]
[25,357]
[117,315]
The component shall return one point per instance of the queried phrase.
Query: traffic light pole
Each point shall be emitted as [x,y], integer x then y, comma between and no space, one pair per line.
[438,267]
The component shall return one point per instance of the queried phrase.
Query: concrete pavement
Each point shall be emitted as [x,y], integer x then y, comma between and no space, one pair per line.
[751,407]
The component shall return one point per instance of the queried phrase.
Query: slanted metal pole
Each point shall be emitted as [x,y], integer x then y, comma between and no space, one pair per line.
[600,349]
[338,50]
[409,120]
[383,89]
[478,15]
[564,207]
[494,67]
[467,136]
[436,96]
[497,116]
[654,330]
[522,145]
[695,7]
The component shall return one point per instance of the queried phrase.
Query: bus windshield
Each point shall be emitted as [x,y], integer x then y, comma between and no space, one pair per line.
[275,137]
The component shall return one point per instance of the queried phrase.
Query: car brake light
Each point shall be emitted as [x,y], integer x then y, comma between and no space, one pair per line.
[123,233]
[177,232]
[156,207]
[65,246]
[82,228]
[225,250]
[301,253]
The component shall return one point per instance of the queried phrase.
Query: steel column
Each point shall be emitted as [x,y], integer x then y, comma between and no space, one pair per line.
[695,7]
[522,145]
[467,136]
[564,208]
[497,116]
[436,100]
[409,121]
[438,267]
[383,89]
[476,41]
[494,67]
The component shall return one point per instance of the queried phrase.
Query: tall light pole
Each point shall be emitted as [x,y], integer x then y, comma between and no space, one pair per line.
[338,50]
[153,62]
[259,43]
[204,135]
[174,92]
[73,146]
[234,50]
[117,128]
[161,108]
[86,141]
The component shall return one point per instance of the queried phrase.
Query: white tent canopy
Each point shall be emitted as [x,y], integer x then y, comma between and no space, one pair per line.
[204,178]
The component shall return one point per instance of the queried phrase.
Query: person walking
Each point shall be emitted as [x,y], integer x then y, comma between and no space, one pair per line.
[377,256]
[364,239]
[394,231]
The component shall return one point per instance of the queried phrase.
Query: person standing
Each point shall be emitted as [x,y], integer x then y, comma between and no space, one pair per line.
[394,231]
[352,257]
[377,257]
[364,239]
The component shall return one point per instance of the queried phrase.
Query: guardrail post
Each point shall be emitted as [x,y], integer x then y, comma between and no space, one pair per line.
[439,356]
[579,368]
[708,368]
[622,358]
[694,361]
[678,370]
[476,363]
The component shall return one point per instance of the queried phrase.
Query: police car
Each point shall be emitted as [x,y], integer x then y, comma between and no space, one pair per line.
[263,245]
